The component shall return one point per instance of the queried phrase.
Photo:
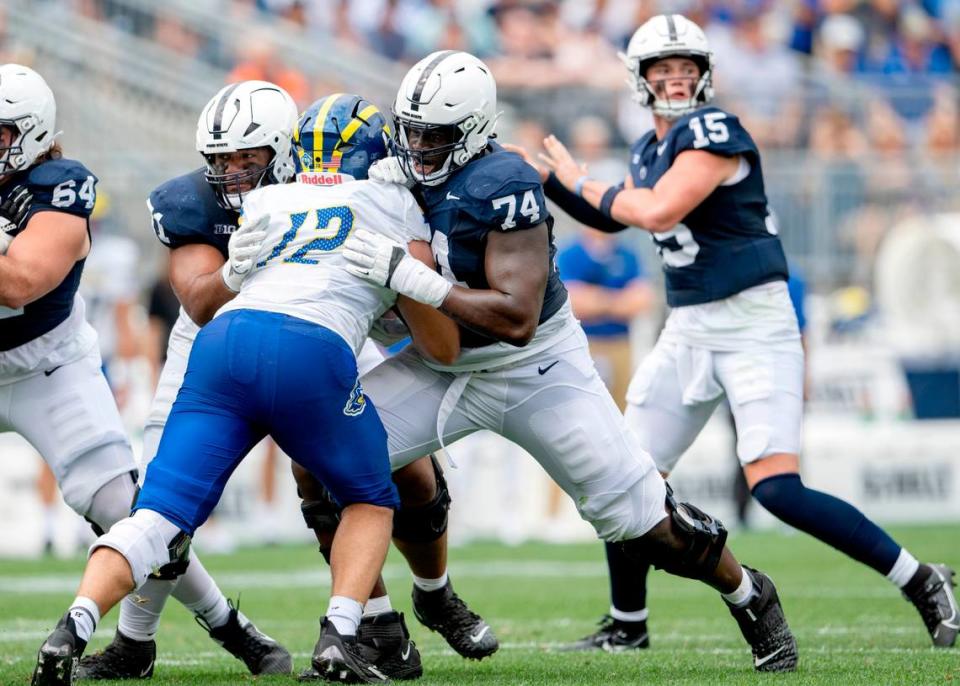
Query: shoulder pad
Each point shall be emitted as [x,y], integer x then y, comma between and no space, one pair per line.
[62,186]
[713,130]
[184,210]
[502,191]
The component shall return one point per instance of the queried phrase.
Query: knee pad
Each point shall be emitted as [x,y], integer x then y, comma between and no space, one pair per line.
[112,502]
[702,539]
[152,546]
[424,523]
[321,515]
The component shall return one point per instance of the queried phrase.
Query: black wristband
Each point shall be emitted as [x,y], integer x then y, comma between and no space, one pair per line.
[606,202]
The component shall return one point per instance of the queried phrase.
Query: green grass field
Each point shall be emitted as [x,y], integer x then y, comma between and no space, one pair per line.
[851,625]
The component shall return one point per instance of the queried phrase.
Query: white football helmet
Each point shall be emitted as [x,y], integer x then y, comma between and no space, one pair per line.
[668,35]
[26,105]
[445,112]
[249,114]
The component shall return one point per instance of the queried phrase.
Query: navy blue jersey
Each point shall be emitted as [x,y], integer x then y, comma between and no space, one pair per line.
[57,186]
[729,242]
[497,191]
[185,210]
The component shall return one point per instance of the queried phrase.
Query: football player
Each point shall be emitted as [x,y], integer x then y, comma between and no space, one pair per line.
[326,131]
[52,388]
[696,185]
[244,135]
[525,371]
[279,359]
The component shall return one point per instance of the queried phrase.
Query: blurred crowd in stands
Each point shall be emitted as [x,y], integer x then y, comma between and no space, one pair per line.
[779,63]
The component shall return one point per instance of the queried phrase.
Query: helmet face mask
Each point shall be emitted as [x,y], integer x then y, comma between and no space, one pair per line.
[28,112]
[244,134]
[660,38]
[445,114]
[256,167]
[430,152]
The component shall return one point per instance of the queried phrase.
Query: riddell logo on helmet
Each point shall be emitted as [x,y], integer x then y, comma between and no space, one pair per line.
[320,179]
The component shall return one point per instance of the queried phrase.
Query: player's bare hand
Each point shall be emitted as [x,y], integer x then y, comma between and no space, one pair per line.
[559,160]
[541,170]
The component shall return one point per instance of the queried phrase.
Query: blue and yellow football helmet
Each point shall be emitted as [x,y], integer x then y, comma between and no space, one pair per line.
[341,134]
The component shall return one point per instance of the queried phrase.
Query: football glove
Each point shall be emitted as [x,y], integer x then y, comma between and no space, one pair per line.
[389,329]
[13,211]
[389,170]
[243,248]
[384,262]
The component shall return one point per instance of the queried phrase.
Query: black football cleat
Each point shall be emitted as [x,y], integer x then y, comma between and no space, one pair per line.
[765,628]
[384,641]
[124,658]
[340,658]
[239,637]
[937,604]
[613,636]
[58,656]
[464,630]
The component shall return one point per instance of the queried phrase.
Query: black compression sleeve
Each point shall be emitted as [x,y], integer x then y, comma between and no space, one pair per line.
[578,208]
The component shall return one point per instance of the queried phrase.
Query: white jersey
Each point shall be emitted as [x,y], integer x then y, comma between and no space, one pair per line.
[758,317]
[301,271]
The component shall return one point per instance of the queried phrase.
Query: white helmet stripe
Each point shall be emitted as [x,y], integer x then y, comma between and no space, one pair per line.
[422,81]
[218,115]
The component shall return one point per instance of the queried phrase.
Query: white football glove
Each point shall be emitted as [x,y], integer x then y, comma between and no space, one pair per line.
[384,262]
[389,170]
[243,248]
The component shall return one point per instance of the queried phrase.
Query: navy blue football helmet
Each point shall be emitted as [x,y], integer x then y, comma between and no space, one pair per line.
[341,134]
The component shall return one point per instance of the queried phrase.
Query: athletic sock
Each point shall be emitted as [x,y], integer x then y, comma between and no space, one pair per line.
[344,613]
[212,608]
[430,584]
[744,593]
[905,569]
[629,617]
[377,606]
[140,611]
[628,581]
[85,615]
[833,521]
[199,593]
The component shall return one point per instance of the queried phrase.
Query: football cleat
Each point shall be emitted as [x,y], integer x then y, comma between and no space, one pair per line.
[937,605]
[340,658]
[239,637]
[765,628]
[613,636]
[464,630]
[124,658]
[384,641]
[59,655]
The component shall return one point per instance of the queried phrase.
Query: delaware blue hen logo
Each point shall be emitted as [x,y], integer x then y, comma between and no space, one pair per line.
[357,402]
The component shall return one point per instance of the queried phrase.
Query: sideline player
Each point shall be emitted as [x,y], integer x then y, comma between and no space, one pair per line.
[279,359]
[696,184]
[195,215]
[525,371]
[52,388]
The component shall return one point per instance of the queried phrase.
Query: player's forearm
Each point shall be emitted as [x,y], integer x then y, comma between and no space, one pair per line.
[19,284]
[204,296]
[578,208]
[493,313]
